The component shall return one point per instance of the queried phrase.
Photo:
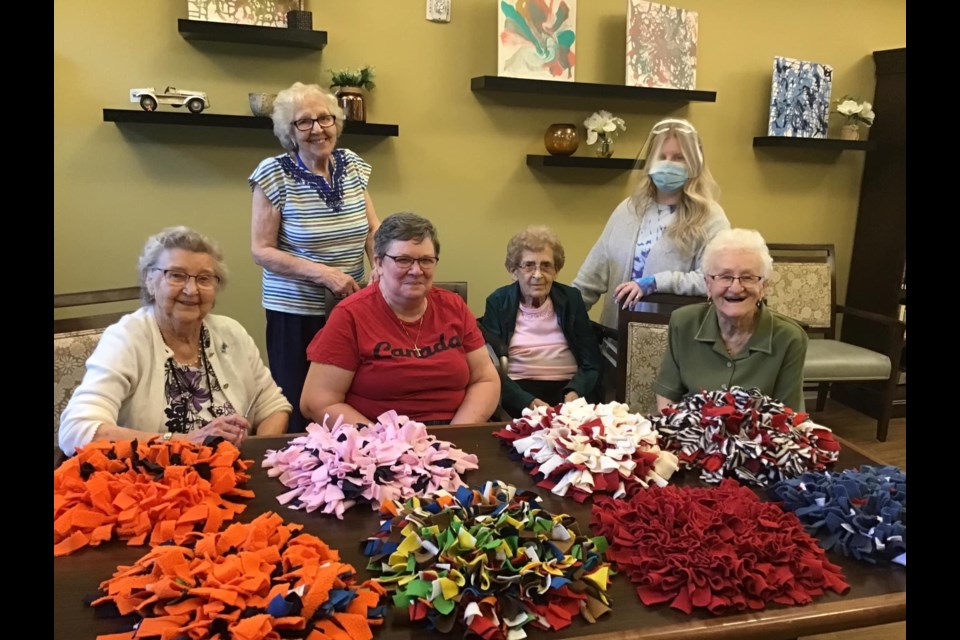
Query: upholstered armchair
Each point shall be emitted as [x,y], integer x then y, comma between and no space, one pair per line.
[74,340]
[803,287]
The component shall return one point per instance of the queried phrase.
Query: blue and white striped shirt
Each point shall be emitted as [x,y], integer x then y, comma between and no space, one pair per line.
[316,224]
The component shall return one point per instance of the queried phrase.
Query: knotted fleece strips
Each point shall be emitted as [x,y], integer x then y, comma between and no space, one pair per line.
[717,548]
[859,512]
[581,449]
[492,559]
[168,491]
[256,581]
[331,470]
[744,434]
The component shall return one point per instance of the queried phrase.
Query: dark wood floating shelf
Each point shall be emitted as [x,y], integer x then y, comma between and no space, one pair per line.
[588,89]
[582,162]
[251,34]
[835,144]
[234,122]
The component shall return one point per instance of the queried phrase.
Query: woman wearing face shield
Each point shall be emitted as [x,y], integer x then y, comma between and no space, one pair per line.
[654,240]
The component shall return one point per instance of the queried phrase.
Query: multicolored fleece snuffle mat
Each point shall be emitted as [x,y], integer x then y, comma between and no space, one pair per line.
[142,491]
[490,558]
[743,434]
[331,470]
[256,581]
[581,449]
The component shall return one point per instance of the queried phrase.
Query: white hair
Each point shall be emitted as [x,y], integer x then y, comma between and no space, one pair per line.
[745,240]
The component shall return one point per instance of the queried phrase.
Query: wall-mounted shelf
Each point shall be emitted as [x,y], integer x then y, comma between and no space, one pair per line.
[235,122]
[835,144]
[588,89]
[251,34]
[582,162]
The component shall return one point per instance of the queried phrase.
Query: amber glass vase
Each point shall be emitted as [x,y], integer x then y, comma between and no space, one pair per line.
[561,139]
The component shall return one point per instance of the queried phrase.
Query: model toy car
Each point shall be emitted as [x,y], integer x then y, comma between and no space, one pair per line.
[149,98]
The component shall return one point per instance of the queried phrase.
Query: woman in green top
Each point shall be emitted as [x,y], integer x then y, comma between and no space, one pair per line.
[733,339]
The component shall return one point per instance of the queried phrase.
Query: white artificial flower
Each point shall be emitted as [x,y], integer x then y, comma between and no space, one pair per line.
[867,114]
[603,124]
[849,107]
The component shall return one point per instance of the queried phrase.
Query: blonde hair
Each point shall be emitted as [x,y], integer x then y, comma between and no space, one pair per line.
[700,192]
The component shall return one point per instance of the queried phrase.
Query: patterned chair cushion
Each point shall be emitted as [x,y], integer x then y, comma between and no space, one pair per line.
[801,290]
[70,353]
[646,344]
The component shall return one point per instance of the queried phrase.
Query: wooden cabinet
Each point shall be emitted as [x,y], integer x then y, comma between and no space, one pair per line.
[877,279]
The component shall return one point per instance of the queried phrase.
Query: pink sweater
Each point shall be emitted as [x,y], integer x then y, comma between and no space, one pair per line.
[538,348]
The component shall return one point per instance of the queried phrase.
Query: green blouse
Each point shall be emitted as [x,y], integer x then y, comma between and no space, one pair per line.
[696,358]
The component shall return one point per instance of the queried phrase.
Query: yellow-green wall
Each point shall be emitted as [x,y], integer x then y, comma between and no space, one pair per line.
[460,157]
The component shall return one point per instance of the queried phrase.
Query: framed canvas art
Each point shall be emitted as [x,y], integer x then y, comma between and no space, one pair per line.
[263,13]
[799,98]
[537,39]
[661,46]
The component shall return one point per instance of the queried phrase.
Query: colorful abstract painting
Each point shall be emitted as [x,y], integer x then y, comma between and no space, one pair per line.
[799,98]
[263,13]
[537,39]
[661,46]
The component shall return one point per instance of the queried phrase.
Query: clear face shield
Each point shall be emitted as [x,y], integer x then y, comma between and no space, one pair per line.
[678,125]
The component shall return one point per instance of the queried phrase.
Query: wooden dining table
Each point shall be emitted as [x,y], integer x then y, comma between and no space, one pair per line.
[877,593]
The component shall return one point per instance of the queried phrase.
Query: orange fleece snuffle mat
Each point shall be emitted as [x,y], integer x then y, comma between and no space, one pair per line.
[154,491]
[256,581]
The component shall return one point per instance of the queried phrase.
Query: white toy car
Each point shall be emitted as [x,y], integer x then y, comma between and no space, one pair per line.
[149,98]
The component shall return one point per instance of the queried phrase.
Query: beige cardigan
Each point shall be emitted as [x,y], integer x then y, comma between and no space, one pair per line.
[125,375]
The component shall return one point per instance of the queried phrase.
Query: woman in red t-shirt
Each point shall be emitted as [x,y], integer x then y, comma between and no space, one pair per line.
[401,344]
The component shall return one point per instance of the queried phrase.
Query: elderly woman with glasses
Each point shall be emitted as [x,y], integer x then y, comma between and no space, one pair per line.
[552,349]
[170,367]
[654,239]
[312,221]
[733,339]
[402,344]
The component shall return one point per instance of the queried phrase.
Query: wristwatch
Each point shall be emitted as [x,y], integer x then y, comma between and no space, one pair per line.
[168,436]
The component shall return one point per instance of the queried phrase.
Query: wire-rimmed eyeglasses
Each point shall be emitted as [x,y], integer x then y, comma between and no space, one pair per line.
[746,281]
[180,278]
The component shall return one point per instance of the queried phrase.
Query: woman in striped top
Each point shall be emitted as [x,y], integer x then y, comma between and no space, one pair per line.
[313,219]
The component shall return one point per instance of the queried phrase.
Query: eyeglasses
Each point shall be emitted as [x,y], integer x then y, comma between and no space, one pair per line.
[306,124]
[531,267]
[745,281]
[180,278]
[406,262]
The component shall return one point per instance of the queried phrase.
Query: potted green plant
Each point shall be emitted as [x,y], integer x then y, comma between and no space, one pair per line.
[349,86]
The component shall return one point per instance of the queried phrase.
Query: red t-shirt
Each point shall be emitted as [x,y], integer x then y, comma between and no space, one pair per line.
[363,335]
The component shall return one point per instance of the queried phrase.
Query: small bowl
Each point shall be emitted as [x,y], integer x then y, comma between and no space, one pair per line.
[261,104]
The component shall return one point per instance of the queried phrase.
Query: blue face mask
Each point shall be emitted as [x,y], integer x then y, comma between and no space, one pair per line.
[668,176]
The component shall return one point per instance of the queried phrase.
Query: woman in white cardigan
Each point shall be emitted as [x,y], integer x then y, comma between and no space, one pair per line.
[171,368]
[654,240]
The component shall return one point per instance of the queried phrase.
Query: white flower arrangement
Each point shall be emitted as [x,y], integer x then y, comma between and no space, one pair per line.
[854,111]
[603,124]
